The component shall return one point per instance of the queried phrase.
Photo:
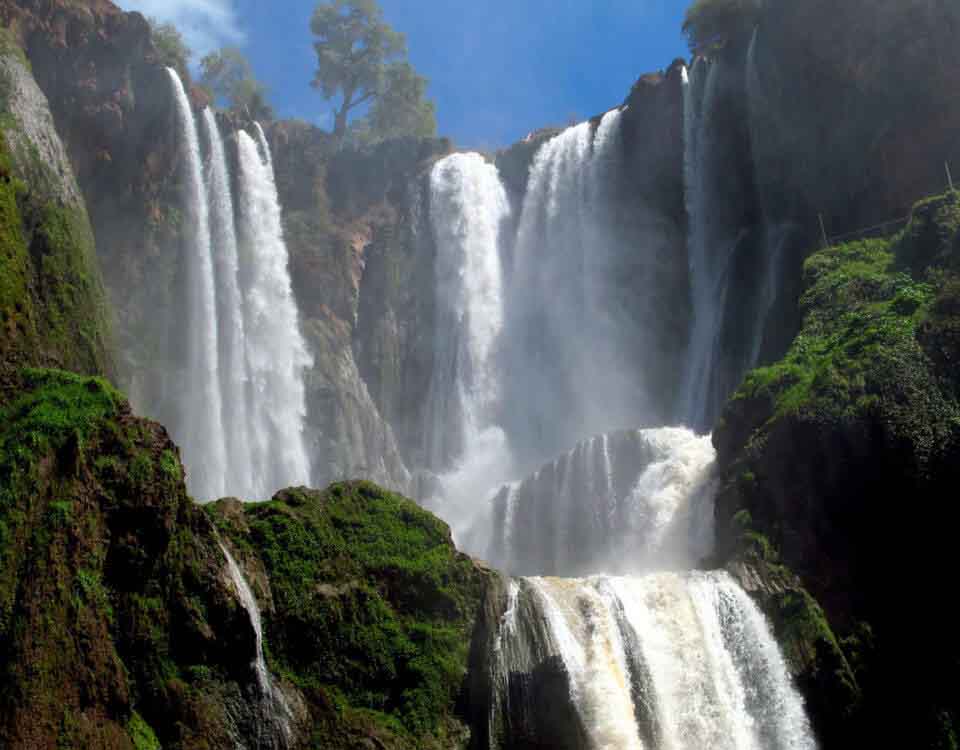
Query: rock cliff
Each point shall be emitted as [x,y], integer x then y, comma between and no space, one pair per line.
[839,464]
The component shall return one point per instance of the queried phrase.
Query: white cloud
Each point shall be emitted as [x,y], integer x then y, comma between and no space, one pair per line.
[206,25]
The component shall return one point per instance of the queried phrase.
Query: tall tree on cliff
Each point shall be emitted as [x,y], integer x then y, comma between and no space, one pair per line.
[230,79]
[362,60]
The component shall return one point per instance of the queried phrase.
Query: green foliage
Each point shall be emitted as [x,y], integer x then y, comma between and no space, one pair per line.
[402,109]
[14,254]
[54,407]
[361,60]
[51,299]
[170,466]
[55,410]
[858,336]
[373,603]
[228,76]
[170,45]
[141,734]
[710,24]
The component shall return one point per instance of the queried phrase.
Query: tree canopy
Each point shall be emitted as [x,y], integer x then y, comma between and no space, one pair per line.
[170,45]
[402,107]
[228,76]
[362,60]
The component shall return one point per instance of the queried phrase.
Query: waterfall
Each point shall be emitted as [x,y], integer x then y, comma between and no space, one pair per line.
[468,212]
[242,400]
[570,336]
[274,723]
[201,430]
[233,370]
[710,257]
[276,354]
[666,660]
[777,235]
[626,502]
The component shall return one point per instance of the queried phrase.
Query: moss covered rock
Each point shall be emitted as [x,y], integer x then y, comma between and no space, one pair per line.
[117,624]
[52,309]
[372,611]
[841,463]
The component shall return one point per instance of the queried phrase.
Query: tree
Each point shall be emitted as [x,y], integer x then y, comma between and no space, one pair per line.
[401,108]
[172,49]
[228,76]
[361,60]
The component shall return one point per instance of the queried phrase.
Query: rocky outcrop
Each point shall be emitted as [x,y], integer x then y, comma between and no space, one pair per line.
[827,455]
[344,210]
[52,306]
[116,616]
[111,103]
[372,611]
[123,629]
[528,703]
[394,338]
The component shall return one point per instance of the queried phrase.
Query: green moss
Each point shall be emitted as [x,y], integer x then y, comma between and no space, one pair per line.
[14,253]
[51,301]
[141,468]
[811,647]
[371,597]
[141,734]
[862,310]
[56,409]
[10,46]
[90,592]
[170,466]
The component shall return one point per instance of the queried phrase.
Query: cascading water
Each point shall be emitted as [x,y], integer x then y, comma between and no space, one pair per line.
[233,369]
[710,256]
[242,403]
[568,338]
[625,502]
[276,354]
[273,726]
[778,235]
[652,657]
[644,655]
[468,212]
[665,661]
[201,430]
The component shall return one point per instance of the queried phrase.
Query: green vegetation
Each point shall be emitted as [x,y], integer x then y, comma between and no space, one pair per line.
[171,47]
[142,736]
[819,451]
[55,410]
[227,75]
[403,109]
[362,60]
[110,577]
[14,257]
[374,606]
[859,350]
[52,305]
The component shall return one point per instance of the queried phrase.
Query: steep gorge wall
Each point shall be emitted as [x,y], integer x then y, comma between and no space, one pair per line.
[52,305]
[832,110]
[839,463]
[352,222]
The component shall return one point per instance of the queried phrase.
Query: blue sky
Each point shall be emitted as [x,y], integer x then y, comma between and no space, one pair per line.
[497,68]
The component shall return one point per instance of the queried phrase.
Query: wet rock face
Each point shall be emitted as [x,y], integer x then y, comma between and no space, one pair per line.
[348,227]
[529,706]
[114,607]
[110,101]
[51,297]
[827,458]
[882,126]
